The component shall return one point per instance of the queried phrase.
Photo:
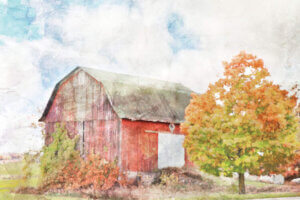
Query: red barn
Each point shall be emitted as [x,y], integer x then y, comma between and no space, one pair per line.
[132,119]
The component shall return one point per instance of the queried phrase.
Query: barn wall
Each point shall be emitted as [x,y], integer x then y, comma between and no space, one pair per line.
[139,148]
[82,105]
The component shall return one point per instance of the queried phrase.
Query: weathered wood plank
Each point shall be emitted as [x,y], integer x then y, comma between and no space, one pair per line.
[82,99]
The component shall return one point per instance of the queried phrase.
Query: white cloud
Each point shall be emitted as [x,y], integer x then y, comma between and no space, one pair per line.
[20,95]
[269,29]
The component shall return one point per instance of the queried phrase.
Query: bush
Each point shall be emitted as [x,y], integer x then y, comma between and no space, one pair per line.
[90,173]
[58,153]
[63,168]
[292,170]
[99,173]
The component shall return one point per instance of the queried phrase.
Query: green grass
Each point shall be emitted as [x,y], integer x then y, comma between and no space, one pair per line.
[6,186]
[10,184]
[12,168]
[15,169]
[246,196]
[229,181]
[11,196]
[259,184]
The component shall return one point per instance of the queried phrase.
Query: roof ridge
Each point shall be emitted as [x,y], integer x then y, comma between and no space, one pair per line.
[165,82]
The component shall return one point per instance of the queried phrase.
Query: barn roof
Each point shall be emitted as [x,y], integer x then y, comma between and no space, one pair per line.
[138,98]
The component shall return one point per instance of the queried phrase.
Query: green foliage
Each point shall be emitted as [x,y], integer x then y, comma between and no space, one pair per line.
[56,155]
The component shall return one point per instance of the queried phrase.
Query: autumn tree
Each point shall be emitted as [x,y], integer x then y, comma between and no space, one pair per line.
[243,122]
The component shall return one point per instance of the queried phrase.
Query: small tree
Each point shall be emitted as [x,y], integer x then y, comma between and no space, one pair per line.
[63,168]
[242,123]
[57,154]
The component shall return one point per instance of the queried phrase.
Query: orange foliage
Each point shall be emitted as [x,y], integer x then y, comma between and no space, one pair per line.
[92,172]
[292,170]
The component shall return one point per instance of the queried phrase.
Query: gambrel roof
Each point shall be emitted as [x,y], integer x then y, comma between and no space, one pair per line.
[137,98]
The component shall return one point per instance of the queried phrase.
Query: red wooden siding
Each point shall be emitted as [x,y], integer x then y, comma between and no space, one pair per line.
[102,137]
[83,99]
[139,148]
[49,128]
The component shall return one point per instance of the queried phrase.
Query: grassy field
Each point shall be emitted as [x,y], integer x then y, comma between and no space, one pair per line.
[11,178]
[11,168]
[11,196]
[14,171]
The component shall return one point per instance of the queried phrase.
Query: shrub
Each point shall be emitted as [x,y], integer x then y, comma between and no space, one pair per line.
[63,168]
[90,173]
[98,173]
[292,170]
[57,155]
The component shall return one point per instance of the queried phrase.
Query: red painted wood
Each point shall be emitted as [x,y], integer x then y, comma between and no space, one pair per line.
[139,148]
[76,101]
[83,99]
[49,128]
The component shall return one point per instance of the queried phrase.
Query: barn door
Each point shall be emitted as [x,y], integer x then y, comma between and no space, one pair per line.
[81,137]
[170,150]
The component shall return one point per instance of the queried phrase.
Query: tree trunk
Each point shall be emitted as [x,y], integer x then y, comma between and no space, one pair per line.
[242,189]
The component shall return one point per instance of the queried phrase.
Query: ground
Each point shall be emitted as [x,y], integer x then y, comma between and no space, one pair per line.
[177,183]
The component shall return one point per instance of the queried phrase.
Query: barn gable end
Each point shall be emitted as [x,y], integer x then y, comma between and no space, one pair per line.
[80,102]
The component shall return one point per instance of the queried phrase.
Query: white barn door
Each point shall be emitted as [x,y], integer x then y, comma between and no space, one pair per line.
[170,150]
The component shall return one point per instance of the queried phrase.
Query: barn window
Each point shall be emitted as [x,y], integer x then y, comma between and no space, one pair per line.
[170,150]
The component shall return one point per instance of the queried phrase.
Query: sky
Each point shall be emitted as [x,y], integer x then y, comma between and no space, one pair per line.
[181,41]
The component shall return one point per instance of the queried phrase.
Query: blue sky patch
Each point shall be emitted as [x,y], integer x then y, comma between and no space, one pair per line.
[17,20]
[181,38]
[53,70]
